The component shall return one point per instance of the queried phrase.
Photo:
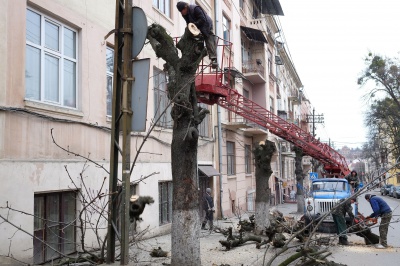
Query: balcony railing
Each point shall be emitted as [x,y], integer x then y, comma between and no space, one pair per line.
[253,66]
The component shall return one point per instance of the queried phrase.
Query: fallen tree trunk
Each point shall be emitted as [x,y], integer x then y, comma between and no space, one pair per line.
[240,241]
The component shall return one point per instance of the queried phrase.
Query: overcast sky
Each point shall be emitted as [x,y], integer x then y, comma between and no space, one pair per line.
[328,41]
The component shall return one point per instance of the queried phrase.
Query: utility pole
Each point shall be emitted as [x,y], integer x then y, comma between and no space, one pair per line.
[319,119]
[114,148]
[121,94]
[126,130]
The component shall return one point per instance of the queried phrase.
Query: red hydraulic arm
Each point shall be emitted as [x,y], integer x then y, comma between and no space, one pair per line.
[334,163]
[212,88]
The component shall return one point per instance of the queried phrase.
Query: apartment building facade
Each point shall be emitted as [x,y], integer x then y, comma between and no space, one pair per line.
[55,112]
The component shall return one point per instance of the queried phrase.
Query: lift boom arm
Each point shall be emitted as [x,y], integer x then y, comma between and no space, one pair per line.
[334,163]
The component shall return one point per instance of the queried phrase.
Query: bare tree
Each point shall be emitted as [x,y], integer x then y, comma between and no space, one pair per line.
[299,179]
[187,115]
[263,155]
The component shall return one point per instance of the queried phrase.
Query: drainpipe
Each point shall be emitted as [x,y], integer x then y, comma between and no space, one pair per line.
[217,15]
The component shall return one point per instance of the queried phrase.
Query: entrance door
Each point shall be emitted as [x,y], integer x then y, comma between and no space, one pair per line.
[204,183]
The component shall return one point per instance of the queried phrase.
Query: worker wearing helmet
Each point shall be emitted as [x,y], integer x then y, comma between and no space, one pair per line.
[381,209]
[196,15]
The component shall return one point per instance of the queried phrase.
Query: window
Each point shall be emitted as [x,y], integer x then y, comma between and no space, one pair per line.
[256,12]
[230,151]
[251,201]
[163,6]
[241,4]
[271,104]
[246,93]
[247,158]
[110,78]
[161,100]
[54,223]
[51,61]
[245,54]
[165,202]
[204,127]
[270,62]
[226,27]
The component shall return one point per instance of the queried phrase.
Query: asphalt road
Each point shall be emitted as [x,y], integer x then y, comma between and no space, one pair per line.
[358,254]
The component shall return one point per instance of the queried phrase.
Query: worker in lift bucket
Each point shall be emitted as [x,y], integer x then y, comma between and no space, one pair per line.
[196,15]
[353,181]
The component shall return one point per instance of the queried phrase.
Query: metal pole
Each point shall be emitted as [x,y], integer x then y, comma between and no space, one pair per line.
[217,33]
[126,130]
[116,109]
[313,122]
[313,133]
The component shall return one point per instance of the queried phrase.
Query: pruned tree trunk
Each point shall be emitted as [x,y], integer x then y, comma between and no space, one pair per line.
[185,232]
[299,179]
[263,155]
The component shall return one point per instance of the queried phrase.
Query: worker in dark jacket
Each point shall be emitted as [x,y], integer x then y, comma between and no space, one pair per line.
[208,206]
[353,180]
[196,15]
[380,209]
[338,215]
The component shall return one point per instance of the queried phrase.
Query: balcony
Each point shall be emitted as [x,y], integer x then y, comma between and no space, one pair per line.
[254,71]
[235,121]
[254,130]
[294,96]
[259,24]
[249,128]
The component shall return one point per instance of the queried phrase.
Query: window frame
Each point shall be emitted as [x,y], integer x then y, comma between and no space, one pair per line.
[241,4]
[271,105]
[247,159]
[164,6]
[165,202]
[48,222]
[230,154]
[60,55]
[204,126]
[109,74]
[270,70]
[161,99]
[226,27]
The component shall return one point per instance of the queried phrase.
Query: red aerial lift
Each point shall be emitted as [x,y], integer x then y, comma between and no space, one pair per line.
[213,86]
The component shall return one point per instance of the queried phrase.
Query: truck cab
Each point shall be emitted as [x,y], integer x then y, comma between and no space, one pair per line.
[324,195]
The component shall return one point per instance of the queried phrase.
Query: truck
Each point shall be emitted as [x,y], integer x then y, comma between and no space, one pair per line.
[325,193]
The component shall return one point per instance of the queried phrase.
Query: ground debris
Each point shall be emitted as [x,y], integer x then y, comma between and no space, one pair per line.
[158,252]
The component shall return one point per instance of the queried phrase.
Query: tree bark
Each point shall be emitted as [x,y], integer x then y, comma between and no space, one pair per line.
[299,179]
[185,232]
[263,155]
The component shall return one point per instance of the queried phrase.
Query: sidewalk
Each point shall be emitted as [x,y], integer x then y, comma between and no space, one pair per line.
[212,252]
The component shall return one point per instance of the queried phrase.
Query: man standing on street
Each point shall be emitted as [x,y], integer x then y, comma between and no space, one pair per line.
[338,215]
[380,209]
[208,206]
[196,15]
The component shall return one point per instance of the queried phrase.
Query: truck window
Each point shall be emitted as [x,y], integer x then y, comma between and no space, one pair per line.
[329,186]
